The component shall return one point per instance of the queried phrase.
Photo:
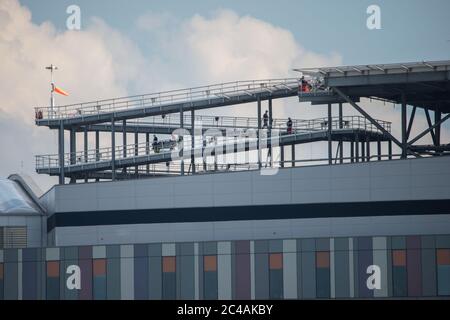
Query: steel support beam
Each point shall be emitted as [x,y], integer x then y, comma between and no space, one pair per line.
[390,149]
[357,148]
[61,152]
[341,124]
[86,148]
[330,143]
[379,149]
[430,129]
[73,150]
[136,150]
[404,129]
[363,151]
[182,140]
[124,141]
[147,150]
[97,148]
[352,152]
[293,155]
[367,116]
[437,131]
[427,116]
[282,156]
[368,148]
[410,124]
[113,149]
[192,140]
[258,105]
[270,130]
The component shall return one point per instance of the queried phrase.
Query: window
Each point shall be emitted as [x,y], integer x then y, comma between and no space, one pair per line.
[169,278]
[323,286]
[276,276]
[52,280]
[210,283]
[399,275]
[99,273]
[443,271]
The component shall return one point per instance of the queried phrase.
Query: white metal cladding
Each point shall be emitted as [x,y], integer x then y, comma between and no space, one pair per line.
[252,230]
[412,179]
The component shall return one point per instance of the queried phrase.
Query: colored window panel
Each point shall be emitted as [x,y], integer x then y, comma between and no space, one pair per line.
[169,288]
[399,258]
[443,271]
[323,274]
[443,257]
[276,276]
[276,261]
[169,264]
[53,269]
[99,267]
[99,278]
[53,280]
[210,263]
[399,274]
[323,259]
[210,281]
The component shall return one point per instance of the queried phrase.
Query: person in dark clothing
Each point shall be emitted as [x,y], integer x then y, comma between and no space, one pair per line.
[265,119]
[289,126]
[155,144]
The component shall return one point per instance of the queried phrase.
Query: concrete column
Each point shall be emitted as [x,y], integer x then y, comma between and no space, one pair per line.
[192,140]
[61,152]
[330,143]
[113,149]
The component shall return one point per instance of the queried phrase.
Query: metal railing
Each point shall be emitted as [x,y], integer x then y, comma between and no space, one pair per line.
[224,122]
[224,90]
[171,168]
[140,149]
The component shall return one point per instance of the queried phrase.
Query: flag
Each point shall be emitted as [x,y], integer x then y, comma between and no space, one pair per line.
[59,90]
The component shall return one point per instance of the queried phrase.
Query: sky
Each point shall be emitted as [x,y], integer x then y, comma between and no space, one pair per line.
[135,47]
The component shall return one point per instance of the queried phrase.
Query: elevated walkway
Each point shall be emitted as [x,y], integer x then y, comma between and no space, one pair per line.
[196,98]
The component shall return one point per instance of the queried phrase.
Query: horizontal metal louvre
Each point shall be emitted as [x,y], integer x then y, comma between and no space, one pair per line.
[13,237]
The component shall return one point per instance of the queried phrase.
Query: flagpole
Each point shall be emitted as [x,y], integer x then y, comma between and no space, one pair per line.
[52,96]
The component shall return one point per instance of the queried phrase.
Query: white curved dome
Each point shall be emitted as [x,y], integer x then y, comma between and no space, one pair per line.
[13,200]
